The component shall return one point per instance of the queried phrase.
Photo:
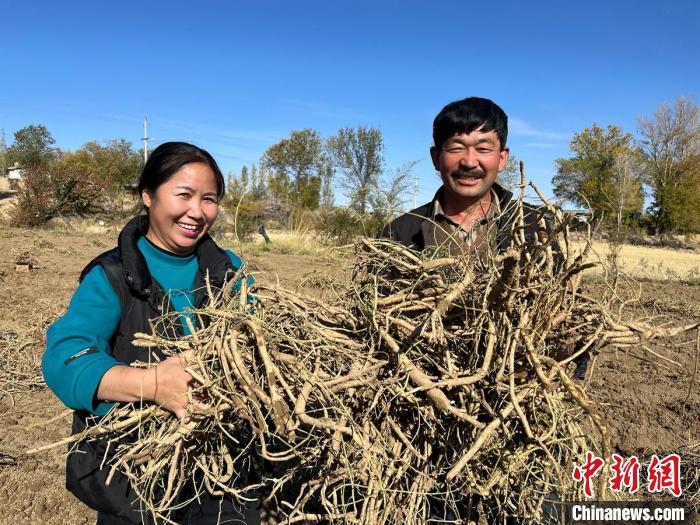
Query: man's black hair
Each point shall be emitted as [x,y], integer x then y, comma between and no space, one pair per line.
[466,115]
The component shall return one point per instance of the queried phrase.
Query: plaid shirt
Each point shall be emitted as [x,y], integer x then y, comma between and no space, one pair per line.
[451,237]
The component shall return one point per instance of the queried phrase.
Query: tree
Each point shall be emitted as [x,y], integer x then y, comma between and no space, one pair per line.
[111,165]
[357,153]
[626,191]
[509,178]
[280,188]
[258,190]
[59,190]
[230,183]
[251,183]
[3,154]
[32,147]
[253,175]
[389,200]
[670,145]
[625,195]
[296,162]
[588,178]
[327,195]
[238,186]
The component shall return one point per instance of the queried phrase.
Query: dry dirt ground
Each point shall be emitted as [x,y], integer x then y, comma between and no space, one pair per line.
[646,400]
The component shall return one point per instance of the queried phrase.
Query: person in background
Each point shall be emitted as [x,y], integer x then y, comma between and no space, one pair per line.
[159,266]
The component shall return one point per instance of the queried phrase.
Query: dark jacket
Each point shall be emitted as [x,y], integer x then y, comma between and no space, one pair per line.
[142,299]
[412,229]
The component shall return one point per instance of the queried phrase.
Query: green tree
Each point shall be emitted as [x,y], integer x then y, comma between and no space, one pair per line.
[111,165]
[588,178]
[670,145]
[258,189]
[239,186]
[296,162]
[358,154]
[31,147]
[280,187]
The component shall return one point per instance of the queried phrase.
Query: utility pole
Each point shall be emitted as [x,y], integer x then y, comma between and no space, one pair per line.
[145,139]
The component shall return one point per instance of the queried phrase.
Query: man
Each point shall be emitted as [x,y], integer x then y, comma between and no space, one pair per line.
[470,213]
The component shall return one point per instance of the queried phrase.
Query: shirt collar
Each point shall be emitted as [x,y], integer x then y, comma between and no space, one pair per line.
[439,213]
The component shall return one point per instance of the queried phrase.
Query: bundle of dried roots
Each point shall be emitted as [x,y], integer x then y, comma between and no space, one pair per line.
[438,387]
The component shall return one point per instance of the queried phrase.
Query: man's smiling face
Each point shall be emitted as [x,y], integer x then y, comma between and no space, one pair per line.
[468,164]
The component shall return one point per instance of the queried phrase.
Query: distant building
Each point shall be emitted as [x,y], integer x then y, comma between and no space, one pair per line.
[13,176]
[580,215]
[10,177]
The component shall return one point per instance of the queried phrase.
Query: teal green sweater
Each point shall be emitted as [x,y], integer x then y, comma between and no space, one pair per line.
[77,345]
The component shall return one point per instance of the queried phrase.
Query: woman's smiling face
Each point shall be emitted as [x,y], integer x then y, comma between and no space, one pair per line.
[182,209]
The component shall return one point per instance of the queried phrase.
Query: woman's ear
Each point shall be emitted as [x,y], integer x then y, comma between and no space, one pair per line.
[146,198]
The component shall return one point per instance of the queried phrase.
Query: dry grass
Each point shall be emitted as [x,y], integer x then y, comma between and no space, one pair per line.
[288,243]
[642,262]
[20,353]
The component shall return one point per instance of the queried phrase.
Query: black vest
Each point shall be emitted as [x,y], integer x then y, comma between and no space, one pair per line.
[141,299]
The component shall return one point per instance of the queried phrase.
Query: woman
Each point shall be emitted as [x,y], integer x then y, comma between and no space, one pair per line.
[159,265]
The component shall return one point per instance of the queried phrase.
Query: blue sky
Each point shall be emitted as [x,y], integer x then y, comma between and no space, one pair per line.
[235,77]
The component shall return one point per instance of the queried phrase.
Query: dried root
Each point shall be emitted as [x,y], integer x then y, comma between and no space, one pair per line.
[436,387]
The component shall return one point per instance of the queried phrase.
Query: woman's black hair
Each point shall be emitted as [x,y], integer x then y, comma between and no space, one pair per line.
[466,115]
[169,157]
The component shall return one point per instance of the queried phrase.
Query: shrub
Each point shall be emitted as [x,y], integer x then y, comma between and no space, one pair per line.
[342,225]
[56,190]
[242,218]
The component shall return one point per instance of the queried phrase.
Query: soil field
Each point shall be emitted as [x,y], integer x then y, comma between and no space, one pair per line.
[647,401]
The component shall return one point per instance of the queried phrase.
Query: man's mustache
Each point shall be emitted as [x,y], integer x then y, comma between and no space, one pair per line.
[465,172]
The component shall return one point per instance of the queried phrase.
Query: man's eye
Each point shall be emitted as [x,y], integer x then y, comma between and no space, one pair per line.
[454,150]
[484,150]
[183,195]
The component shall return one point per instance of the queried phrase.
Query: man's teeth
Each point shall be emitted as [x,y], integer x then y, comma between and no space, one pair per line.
[188,227]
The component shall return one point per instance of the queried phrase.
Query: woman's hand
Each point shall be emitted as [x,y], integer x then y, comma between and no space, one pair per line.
[172,383]
[166,384]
